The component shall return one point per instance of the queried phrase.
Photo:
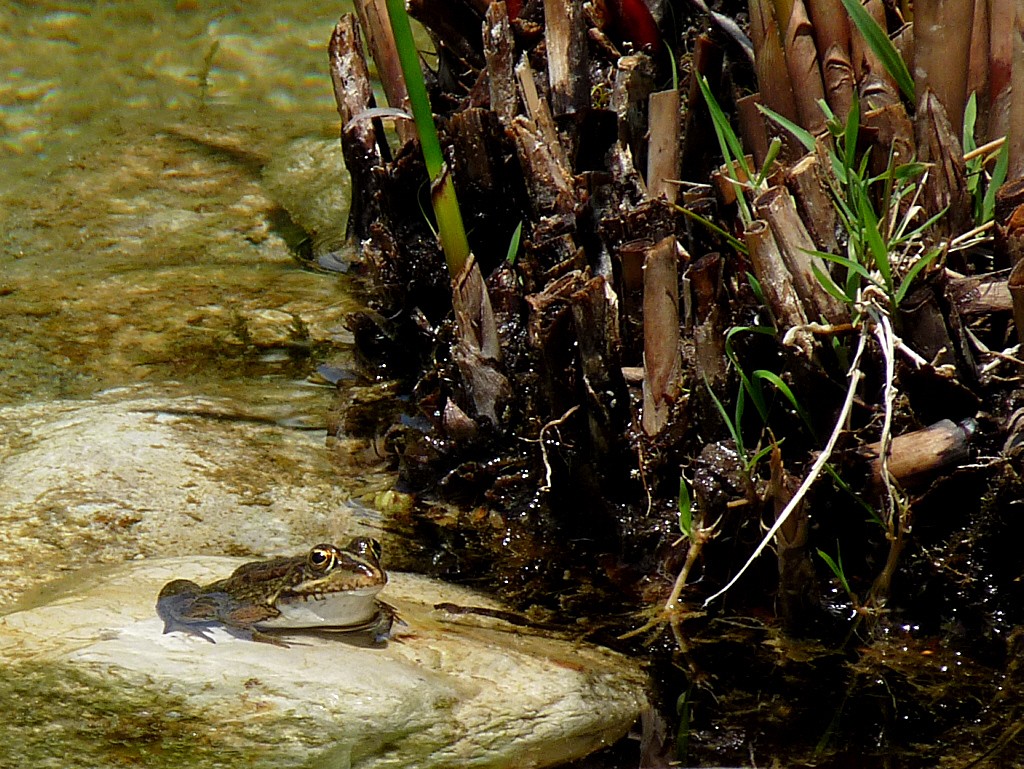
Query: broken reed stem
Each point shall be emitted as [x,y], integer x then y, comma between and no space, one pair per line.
[855,376]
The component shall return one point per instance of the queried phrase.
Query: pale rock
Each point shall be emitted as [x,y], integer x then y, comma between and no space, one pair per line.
[449,690]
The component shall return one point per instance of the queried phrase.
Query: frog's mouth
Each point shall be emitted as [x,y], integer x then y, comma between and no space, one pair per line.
[344,609]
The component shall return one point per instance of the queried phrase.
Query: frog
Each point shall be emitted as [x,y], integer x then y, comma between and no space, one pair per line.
[329,588]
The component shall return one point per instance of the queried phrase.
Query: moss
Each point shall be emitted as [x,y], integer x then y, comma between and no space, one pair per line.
[66,716]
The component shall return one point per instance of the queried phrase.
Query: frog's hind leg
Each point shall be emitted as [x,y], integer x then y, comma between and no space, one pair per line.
[174,606]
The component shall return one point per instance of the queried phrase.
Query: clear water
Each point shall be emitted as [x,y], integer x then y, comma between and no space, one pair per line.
[136,222]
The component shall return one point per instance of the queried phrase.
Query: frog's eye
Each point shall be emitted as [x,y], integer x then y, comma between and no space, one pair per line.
[321,558]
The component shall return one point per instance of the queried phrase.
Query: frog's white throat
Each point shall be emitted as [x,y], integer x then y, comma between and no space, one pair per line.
[350,608]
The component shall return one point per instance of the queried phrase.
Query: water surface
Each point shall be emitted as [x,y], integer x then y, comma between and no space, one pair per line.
[139,235]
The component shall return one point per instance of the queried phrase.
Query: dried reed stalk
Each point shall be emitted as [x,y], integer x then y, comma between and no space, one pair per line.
[917,455]
[1016,286]
[837,74]
[663,149]
[661,334]
[798,594]
[704,278]
[566,37]
[804,71]
[1000,65]
[831,27]
[805,181]
[942,43]
[776,282]
[753,127]
[353,94]
[946,185]
[373,18]
[770,62]
[777,207]
[865,62]
[1015,129]
[499,50]
[978,66]
[477,351]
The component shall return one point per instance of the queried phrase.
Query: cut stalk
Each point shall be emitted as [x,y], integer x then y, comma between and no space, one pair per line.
[446,209]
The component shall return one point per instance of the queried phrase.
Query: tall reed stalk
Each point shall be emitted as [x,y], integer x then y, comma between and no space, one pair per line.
[442,191]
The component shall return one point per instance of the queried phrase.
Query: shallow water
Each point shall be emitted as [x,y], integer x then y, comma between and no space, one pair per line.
[137,223]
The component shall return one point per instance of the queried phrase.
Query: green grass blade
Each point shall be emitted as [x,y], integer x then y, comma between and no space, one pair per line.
[882,47]
[769,160]
[988,206]
[836,567]
[830,285]
[733,241]
[732,149]
[912,273]
[850,137]
[756,396]
[970,118]
[729,424]
[776,381]
[513,246]
[728,142]
[685,508]
[846,262]
[875,242]
[802,135]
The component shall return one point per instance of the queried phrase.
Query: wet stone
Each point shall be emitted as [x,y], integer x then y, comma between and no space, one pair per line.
[449,689]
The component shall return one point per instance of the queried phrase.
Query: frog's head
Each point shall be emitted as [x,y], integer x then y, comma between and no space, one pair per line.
[332,587]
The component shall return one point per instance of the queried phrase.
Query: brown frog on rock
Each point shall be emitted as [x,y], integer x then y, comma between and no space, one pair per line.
[330,588]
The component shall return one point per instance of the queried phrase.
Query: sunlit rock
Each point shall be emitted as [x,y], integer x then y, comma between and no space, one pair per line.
[450,689]
[123,476]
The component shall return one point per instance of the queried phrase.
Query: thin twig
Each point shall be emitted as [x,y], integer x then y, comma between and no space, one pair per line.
[855,377]
[993,146]
[543,448]
[887,341]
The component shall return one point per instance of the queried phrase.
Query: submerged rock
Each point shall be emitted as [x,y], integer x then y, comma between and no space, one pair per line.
[91,662]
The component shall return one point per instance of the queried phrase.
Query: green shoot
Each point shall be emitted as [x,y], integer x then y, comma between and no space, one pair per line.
[837,568]
[203,75]
[684,707]
[769,160]
[983,195]
[685,508]
[513,245]
[874,240]
[988,205]
[755,286]
[731,148]
[751,385]
[805,137]
[739,245]
[882,47]
[731,424]
[446,206]
[776,381]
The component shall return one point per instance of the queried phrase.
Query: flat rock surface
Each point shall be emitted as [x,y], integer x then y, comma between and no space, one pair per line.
[123,476]
[88,658]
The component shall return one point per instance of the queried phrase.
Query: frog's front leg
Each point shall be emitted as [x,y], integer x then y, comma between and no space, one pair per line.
[242,620]
[387,615]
